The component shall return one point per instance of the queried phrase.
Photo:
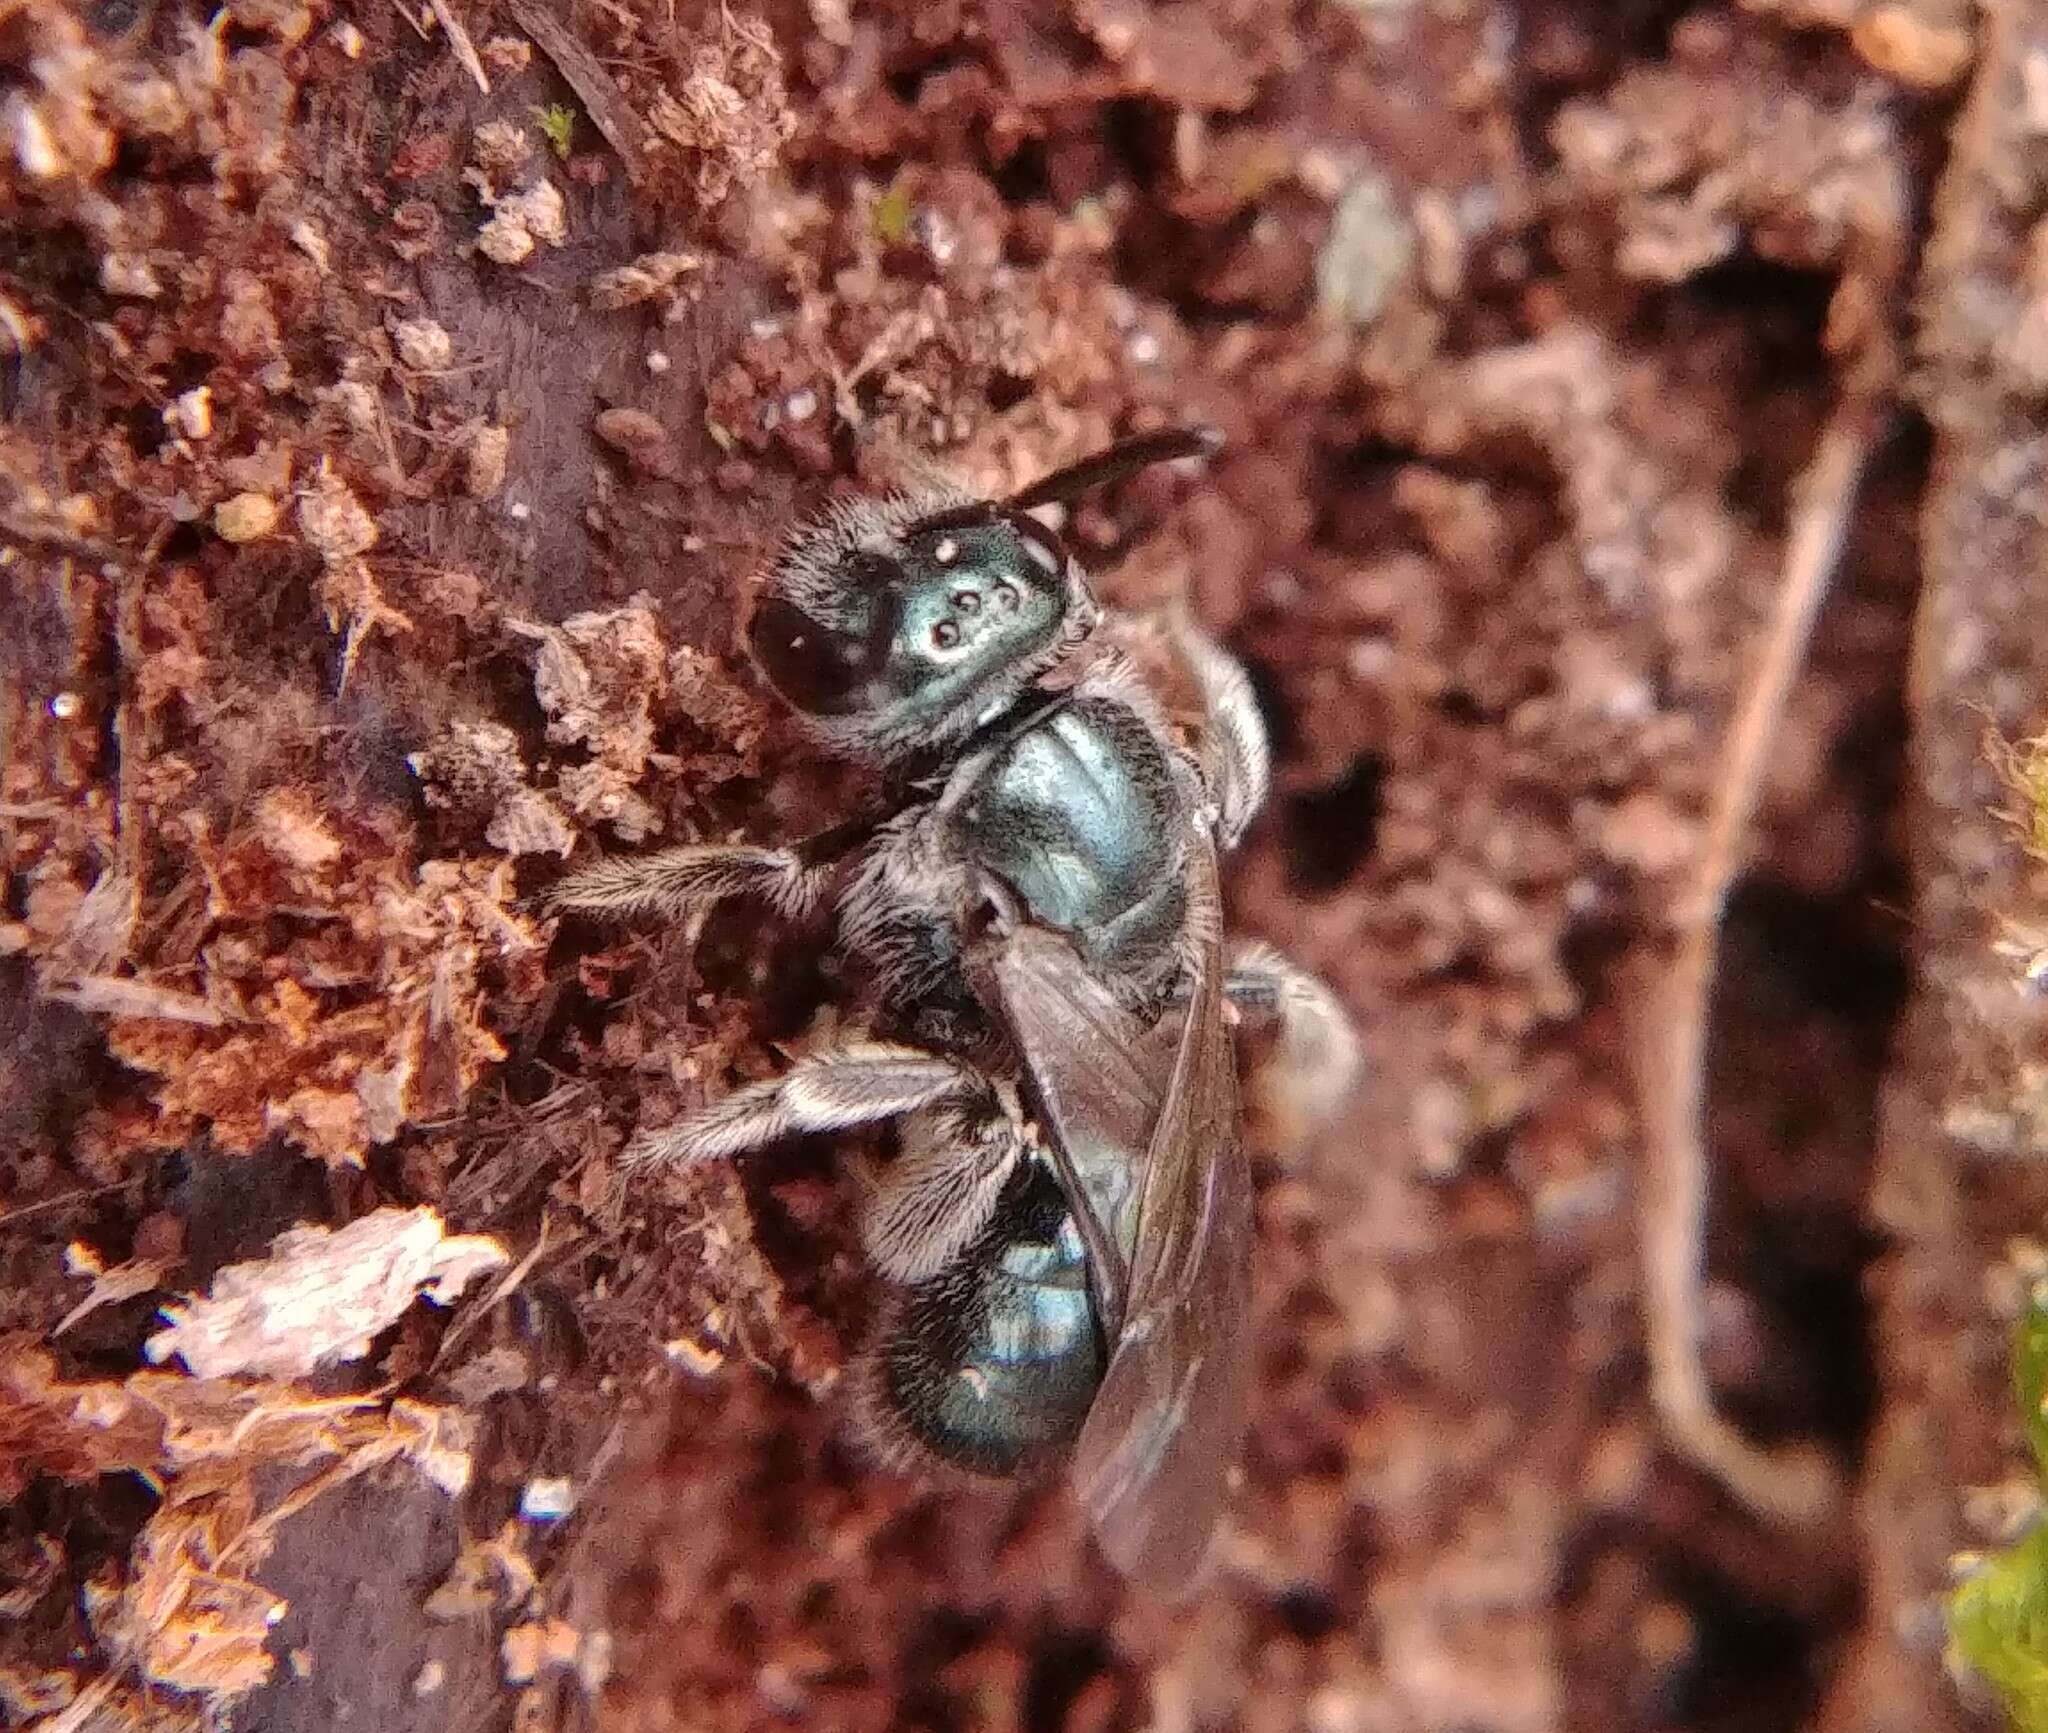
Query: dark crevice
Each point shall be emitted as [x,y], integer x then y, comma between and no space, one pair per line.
[1738,1656]
[1767,322]
[236,38]
[183,543]
[1064,1662]
[49,1053]
[906,83]
[1138,136]
[1007,390]
[1809,991]
[1274,710]
[1592,948]
[1330,830]
[1165,259]
[938,1640]
[145,424]
[1308,1613]
[1835,953]
[1456,705]
[1813,978]
[1023,178]
[1750,1667]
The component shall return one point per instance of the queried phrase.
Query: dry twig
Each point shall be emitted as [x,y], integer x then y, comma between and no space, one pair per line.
[593,86]
[81,1194]
[459,42]
[460,1331]
[119,996]
[1794,1485]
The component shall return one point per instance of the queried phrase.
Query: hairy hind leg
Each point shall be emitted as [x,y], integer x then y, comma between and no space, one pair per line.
[927,1206]
[1301,1084]
[838,1089]
[680,883]
[962,1136]
[1237,732]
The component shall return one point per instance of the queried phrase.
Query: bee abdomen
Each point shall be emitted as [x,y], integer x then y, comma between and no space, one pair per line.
[991,1365]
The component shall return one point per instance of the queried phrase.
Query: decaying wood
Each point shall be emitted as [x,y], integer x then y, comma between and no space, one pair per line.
[608,110]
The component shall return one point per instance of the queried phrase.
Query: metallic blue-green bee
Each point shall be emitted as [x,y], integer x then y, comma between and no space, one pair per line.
[1067,1223]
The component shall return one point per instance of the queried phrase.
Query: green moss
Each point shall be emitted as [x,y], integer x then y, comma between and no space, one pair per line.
[558,126]
[892,217]
[2030,1377]
[1998,1617]
[1999,1622]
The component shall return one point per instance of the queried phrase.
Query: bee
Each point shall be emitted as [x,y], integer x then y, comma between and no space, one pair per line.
[1035,916]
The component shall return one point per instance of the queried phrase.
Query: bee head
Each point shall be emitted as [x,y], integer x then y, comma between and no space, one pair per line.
[900,623]
[896,624]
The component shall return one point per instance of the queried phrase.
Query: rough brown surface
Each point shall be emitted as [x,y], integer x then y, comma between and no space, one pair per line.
[383,465]
[1956,1187]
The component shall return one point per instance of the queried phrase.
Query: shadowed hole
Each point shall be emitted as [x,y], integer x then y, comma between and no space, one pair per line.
[1063,1664]
[1330,831]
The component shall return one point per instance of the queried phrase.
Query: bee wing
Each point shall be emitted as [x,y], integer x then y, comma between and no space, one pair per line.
[1098,1088]
[1089,1057]
[1154,1460]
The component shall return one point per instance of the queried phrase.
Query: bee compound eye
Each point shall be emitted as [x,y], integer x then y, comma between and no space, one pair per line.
[817,670]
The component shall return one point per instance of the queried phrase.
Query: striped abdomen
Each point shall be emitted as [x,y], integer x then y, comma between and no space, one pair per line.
[992,1364]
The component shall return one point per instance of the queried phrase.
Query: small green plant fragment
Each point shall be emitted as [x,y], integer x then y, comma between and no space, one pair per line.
[2030,1377]
[892,217]
[558,126]
[2024,766]
[1998,1615]
[1999,1622]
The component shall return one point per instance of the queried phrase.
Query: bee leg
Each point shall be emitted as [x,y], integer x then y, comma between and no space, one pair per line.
[929,1205]
[681,883]
[896,914]
[1244,758]
[1299,1087]
[838,1089]
[678,883]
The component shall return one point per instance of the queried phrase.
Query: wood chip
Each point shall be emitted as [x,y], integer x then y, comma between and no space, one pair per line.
[649,277]
[321,1295]
[112,1287]
[117,996]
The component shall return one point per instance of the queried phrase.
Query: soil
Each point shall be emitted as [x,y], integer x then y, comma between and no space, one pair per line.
[384,467]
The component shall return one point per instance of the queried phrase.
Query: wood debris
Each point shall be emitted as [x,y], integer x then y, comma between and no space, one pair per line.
[322,1295]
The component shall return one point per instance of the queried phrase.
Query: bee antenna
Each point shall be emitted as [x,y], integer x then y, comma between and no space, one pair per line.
[1063,486]
[1107,467]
